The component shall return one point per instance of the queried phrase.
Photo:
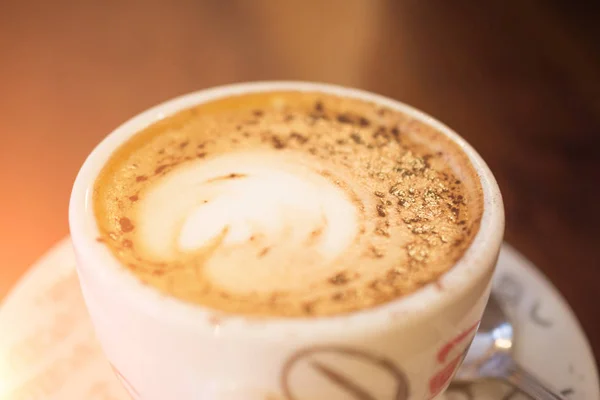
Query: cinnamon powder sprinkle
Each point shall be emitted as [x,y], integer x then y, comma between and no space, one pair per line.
[126,225]
[339,279]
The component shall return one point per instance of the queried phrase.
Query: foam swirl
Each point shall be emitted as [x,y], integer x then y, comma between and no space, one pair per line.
[249,210]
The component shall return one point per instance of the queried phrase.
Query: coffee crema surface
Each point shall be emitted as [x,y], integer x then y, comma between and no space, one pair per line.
[288,204]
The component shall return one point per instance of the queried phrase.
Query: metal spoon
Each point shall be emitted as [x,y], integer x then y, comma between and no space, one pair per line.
[489,357]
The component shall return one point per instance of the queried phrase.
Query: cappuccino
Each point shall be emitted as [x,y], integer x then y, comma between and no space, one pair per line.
[288,204]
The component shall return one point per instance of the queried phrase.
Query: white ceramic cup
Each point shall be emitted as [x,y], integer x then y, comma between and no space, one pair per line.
[164,349]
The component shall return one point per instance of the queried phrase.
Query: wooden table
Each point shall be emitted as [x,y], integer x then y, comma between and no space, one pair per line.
[519,80]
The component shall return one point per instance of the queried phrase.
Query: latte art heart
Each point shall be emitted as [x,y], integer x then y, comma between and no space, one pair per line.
[288,204]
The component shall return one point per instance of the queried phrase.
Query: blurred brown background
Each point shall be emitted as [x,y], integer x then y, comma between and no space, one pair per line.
[518,79]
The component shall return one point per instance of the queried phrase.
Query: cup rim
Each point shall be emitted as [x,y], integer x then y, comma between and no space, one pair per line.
[96,260]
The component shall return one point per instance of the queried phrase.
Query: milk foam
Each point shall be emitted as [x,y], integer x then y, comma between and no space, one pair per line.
[288,204]
[253,201]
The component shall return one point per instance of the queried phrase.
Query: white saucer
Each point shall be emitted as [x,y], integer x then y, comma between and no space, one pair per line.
[48,350]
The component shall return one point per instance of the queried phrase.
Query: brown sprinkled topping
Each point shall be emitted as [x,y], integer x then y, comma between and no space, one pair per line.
[316,232]
[379,194]
[264,252]
[308,307]
[391,275]
[417,251]
[340,278]
[382,231]
[396,189]
[278,143]
[133,266]
[161,168]
[345,119]
[230,176]
[141,178]
[374,284]
[274,298]
[356,138]
[380,132]
[381,210]
[338,296]
[126,225]
[375,252]
[298,137]
[225,295]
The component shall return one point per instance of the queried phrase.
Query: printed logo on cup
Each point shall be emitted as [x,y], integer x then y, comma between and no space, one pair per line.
[342,373]
[449,357]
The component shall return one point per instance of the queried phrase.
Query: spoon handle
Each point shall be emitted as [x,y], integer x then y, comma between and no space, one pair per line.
[528,383]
